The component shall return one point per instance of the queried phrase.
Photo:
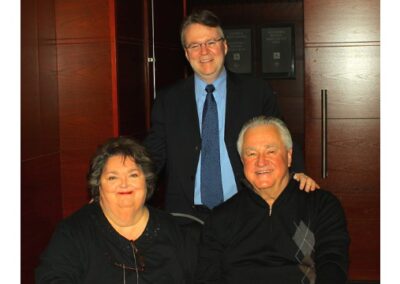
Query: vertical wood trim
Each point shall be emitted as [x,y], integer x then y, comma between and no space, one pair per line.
[146,71]
[113,57]
[184,10]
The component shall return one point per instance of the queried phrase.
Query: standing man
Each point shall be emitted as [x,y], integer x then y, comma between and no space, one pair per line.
[271,232]
[195,123]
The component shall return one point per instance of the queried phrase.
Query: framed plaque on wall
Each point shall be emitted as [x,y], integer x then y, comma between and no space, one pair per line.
[239,56]
[278,51]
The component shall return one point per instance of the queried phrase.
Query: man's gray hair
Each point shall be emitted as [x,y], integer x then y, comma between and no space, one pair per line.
[263,120]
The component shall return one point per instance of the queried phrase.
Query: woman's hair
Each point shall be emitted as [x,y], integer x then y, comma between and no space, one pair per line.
[203,17]
[127,148]
[263,120]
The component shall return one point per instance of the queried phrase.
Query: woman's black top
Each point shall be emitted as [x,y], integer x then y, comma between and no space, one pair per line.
[85,248]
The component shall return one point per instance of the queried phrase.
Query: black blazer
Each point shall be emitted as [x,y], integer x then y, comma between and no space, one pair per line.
[174,139]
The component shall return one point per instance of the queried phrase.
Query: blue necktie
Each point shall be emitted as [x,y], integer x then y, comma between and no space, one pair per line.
[210,182]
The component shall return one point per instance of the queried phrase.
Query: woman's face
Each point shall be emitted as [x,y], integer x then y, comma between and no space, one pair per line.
[122,184]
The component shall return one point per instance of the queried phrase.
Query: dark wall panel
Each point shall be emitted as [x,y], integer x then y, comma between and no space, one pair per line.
[39,100]
[350,171]
[350,74]
[342,51]
[41,206]
[136,73]
[87,19]
[132,67]
[131,90]
[41,209]
[343,21]
[129,19]
[170,58]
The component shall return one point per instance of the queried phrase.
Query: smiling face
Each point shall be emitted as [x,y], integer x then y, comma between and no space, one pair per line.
[207,62]
[122,184]
[266,159]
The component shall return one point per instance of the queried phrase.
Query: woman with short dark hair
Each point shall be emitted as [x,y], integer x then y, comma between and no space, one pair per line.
[117,238]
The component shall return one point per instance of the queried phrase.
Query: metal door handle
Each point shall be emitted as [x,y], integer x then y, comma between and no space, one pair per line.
[324,133]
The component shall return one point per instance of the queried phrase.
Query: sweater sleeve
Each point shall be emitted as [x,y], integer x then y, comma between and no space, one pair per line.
[155,141]
[332,242]
[62,260]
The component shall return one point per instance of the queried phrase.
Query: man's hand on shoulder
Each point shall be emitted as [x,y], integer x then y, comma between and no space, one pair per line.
[306,183]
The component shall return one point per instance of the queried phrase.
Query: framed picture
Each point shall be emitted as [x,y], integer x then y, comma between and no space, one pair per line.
[239,56]
[278,51]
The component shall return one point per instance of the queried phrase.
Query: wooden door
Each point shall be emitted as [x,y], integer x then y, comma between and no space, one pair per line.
[149,56]
[342,57]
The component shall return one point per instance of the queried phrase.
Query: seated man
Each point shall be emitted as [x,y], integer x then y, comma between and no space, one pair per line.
[273,232]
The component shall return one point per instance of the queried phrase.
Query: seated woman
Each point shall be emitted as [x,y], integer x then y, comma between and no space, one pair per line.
[117,238]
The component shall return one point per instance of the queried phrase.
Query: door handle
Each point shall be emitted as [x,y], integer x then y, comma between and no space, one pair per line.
[324,133]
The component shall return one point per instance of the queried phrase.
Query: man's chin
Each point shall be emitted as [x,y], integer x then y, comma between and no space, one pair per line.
[264,186]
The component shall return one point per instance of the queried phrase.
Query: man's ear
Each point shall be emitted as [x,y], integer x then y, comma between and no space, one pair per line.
[289,157]
[186,54]
[226,48]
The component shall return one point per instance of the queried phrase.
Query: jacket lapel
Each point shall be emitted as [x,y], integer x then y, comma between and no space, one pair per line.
[190,119]
[232,109]
[189,129]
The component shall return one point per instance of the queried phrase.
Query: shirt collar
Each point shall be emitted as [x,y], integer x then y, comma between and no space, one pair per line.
[218,83]
[259,200]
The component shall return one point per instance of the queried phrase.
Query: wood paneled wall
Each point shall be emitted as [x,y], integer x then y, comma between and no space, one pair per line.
[169,54]
[85,87]
[131,38]
[41,201]
[68,103]
[342,55]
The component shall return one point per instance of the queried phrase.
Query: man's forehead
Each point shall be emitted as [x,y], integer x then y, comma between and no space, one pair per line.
[262,133]
[264,146]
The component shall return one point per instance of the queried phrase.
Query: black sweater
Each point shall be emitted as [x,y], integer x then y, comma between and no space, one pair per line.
[86,249]
[303,238]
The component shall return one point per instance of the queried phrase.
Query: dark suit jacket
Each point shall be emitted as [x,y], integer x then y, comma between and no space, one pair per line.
[174,139]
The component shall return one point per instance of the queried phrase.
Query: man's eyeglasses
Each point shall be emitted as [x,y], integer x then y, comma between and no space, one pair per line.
[196,46]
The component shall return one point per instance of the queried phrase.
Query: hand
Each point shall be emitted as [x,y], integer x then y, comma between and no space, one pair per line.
[306,183]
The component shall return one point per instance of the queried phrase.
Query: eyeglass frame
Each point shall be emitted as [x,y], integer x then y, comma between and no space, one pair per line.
[140,268]
[139,262]
[211,43]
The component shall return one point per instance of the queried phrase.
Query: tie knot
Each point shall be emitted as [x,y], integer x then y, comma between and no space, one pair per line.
[210,89]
